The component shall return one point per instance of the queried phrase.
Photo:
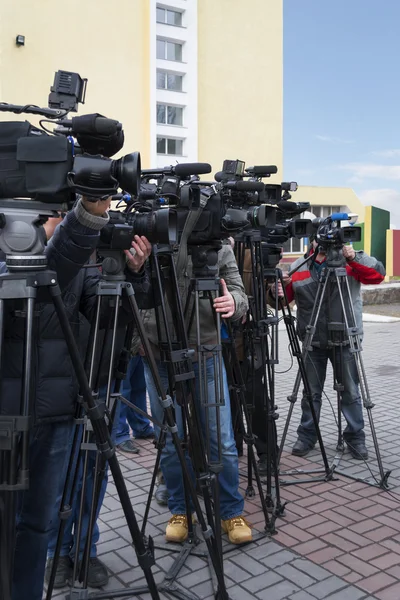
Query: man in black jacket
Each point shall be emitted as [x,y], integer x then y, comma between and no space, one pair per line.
[54,384]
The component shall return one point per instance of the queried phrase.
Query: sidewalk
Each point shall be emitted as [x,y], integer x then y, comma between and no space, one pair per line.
[338,540]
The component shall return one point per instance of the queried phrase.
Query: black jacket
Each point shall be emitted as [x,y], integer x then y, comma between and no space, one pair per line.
[54,388]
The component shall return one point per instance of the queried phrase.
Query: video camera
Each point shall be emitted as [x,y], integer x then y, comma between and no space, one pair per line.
[280,222]
[48,166]
[213,216]
[328,232]
[43,170]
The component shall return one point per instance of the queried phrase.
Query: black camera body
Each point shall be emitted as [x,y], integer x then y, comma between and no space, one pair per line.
[328,233]
[50,168]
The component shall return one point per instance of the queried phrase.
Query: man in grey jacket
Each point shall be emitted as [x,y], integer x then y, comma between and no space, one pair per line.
[231,304]
[302,287]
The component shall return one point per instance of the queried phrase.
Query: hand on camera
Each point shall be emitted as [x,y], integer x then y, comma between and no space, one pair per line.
[225,304]
[286,281]
[349,252]
[142,248]
[97,208]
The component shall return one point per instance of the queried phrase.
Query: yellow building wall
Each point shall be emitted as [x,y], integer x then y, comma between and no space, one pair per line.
[330,196]
[240,90]
[106,42]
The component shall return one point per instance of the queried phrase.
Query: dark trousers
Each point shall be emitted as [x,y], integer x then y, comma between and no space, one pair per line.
[316,364]
[36,508]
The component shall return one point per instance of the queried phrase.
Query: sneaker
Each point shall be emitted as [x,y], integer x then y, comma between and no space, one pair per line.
[302,448]
[98,574]
[358,450]
[177,529]
[161,494]
[63,571]
[238,530]
[128,446]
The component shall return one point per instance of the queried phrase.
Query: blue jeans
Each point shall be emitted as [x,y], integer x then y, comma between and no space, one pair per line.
[68,543]
[231,501]
[134,390]
[316,364]
[36,507]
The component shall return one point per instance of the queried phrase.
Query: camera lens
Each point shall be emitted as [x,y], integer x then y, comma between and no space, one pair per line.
[159,226]
[257,216]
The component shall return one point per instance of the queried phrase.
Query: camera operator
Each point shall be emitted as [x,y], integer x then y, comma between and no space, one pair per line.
[232,304]
[54,386]
[361,269]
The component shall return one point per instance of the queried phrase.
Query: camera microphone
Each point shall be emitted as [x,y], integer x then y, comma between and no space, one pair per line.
[187,169]
[91,125]
[245,186]
[262,170]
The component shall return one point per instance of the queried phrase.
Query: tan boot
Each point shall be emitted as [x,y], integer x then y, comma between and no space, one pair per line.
[238,530]
[177,529]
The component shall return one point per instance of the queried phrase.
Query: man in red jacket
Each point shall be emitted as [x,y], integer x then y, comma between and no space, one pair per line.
[302,287]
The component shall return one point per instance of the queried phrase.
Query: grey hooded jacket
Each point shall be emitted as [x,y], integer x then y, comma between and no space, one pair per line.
[228,271]
[303,288]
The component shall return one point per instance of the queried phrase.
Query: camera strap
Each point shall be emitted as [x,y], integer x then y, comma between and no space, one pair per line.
[193,217]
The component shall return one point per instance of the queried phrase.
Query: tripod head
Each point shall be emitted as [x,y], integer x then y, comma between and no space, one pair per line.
[22,237]
[205,260]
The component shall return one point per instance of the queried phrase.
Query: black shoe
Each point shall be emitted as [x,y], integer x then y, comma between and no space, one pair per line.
[358,450]
[150,435]
[302,448]
[161,494]
[98,574]
[128,446]
[63,572]
[262,466]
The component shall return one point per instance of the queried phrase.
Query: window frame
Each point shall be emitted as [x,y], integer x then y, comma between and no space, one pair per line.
[167,74]
[165,53]
[167,139]
[167,10]
[167,106]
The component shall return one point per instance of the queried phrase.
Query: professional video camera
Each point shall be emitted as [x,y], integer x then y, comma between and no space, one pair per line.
[328,232]
[213,216]
[47,166]
[280,223]
[43,170]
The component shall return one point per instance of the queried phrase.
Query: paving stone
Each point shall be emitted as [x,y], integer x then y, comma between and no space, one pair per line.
[302,595]
[255,584]
[350,593]
[314,571]
[294,575]
[278,559]
[376,582]
[322,589]
[249,564]
[279,591]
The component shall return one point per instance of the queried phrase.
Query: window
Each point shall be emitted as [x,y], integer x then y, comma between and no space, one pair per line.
[169,50]
[169,81]
[324,211]
[169,17]
[169,146]
[294,246]
[169,115]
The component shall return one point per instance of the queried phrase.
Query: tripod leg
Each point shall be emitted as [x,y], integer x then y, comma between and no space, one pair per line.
[355,347]
[167,405]
[145,557]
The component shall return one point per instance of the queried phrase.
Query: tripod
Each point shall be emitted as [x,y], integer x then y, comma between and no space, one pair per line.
[259,359]
[25,285]
[169,425]
[343,335]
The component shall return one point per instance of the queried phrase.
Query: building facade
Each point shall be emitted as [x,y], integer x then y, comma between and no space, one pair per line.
[191,80]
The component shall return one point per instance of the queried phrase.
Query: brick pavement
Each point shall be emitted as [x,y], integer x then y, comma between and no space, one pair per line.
[338,540]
